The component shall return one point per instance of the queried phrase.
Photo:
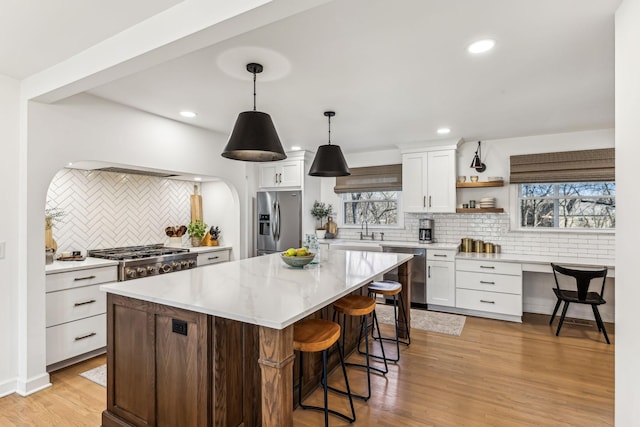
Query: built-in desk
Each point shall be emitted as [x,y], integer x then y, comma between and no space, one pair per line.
[502,286]
[181,347]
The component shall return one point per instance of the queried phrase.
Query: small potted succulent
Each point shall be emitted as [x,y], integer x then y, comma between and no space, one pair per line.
[214,235]
[196,229]
[320,211]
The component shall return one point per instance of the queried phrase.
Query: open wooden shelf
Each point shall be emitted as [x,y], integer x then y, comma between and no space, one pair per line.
[479,184]
[480,210]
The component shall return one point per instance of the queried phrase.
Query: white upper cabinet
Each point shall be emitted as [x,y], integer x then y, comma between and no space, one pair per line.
[281,174]
[429,181]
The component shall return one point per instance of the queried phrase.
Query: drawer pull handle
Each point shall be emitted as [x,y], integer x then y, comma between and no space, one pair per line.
[440,255]
[84,278]
[78,304]
[487,301]
[487,283]
[487,266]
[86,336]
[212,258]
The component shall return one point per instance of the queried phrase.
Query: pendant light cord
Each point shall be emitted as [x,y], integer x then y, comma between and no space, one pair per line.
[254,90]
[329,117]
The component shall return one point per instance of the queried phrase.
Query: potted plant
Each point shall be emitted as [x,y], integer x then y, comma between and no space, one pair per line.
[214,235]
[319,211]
[51,216]
[196,229]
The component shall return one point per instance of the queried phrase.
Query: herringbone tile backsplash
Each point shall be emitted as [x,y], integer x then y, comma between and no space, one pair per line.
[106,209]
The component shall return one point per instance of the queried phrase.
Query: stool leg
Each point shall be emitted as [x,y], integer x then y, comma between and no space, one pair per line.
[324,378]
[346,382]
[384,356]
[395,317]
[593,308]
[564,313]
[404,313]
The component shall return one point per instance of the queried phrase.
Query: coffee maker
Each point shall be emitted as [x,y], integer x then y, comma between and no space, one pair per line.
[425,233]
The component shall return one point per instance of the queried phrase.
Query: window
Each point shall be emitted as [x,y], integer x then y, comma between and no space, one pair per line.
[578,205]
[374,207]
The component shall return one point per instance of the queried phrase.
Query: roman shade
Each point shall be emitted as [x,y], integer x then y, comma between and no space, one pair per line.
[371,178]
[565,166]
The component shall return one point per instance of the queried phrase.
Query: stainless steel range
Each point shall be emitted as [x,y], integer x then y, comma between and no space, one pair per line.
[147,260]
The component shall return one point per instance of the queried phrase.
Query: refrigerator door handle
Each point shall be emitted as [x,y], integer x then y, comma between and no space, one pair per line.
[275,223]
[278,216]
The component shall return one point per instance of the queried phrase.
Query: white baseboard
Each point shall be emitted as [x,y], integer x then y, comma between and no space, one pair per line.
[33,385]
[8,387]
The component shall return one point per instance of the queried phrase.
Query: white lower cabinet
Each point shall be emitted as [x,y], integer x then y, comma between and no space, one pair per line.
[441,273]
[213,257]
[76,312]
[491,288]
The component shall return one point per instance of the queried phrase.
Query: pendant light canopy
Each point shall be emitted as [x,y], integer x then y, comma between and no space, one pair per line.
[329,160]
[254,137]
[476,163]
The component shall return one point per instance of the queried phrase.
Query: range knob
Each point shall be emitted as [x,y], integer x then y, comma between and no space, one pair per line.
[175,265]
[141,272]
[151,269]
[192,263]
[184,264]
[166,268]
[130,273]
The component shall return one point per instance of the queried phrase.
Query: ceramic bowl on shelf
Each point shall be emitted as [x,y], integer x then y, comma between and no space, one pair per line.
[297,261]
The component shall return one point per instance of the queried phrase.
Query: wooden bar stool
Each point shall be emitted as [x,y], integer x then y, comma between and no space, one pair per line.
[390,288]
[313,335]
[360,305]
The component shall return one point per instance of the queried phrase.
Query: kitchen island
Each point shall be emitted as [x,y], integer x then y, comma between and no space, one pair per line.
[214,345]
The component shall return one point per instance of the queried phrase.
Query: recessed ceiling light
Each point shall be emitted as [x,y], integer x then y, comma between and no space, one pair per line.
[296,148]
[481,46]
[189,114]
[69,164]
[443,131]
[197,178]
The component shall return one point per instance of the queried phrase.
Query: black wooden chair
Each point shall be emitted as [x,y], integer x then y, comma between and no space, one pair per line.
[581,295]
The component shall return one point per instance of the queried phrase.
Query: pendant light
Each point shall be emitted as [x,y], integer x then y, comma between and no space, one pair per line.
[476,163]
[329,160]
[254,138]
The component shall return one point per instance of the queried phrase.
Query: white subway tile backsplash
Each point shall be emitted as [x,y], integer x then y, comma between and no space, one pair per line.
[495,228]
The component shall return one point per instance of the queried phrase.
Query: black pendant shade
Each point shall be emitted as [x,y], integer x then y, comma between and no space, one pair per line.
[329,160]
[254,137]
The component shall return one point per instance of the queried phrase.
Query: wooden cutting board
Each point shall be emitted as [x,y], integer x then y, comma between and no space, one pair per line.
[196,205]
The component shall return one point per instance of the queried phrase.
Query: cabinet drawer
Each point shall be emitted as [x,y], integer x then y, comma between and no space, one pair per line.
[74,304]
[75,338]
[493,302]
[441,255]
[489,282]
[489,266]
[76,278]
[212,257]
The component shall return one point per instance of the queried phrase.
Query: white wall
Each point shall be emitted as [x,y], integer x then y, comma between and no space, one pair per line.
[9,131]
[88,128]
[627,106]
[217,199]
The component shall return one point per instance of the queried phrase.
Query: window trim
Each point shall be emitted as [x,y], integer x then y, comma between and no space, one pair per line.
[514,199]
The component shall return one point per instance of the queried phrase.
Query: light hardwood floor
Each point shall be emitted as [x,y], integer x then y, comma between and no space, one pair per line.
[495,374]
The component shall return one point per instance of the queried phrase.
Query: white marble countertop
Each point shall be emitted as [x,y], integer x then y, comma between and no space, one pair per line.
[262,290]
[62,266]
[540,259]
[201,249]
[397,243]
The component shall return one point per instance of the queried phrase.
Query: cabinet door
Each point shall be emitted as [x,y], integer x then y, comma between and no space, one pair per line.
[441,289]
[268,175]
[290,174]
[414,197]
[441,181]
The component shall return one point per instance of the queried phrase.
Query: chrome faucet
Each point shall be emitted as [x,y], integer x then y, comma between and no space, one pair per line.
[365,226]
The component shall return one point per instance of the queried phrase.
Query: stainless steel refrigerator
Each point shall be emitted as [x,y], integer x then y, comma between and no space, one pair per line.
[279,221]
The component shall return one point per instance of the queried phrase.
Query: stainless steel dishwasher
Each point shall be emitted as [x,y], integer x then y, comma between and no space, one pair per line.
[418,273]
